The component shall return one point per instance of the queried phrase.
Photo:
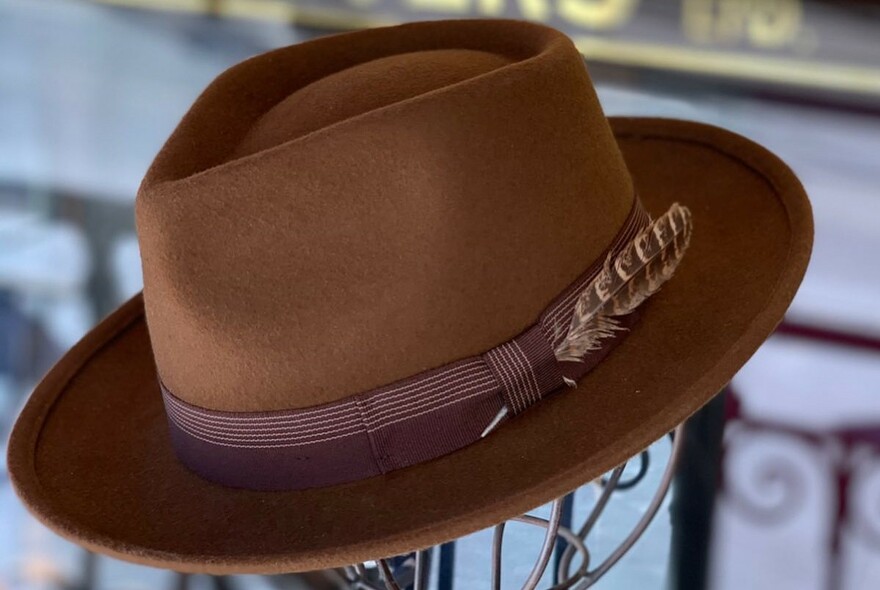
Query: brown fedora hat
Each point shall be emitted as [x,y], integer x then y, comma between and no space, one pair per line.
[367,260]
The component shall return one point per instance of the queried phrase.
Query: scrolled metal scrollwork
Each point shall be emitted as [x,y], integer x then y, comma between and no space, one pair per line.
[771,484]
[631,482]
[380,576]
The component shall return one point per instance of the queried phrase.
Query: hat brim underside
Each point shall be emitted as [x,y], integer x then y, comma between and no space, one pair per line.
[91,457]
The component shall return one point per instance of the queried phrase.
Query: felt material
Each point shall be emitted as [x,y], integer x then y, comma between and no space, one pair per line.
[436,216]
[437,226]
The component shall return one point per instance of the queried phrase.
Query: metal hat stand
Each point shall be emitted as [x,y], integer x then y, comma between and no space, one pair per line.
[562,543]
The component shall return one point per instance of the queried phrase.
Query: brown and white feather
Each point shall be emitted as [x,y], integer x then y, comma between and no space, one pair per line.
[626,280]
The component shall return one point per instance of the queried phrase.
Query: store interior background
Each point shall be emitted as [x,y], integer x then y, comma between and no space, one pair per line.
[89,91]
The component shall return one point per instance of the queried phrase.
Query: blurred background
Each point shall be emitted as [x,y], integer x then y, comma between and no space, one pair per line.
[780,483]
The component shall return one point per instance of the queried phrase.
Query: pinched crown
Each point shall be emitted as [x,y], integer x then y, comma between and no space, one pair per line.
[333,216]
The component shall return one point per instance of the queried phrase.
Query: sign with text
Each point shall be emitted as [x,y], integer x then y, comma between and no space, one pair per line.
[811,43]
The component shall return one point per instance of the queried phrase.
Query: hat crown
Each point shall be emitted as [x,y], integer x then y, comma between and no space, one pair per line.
[362,88]
[333,216]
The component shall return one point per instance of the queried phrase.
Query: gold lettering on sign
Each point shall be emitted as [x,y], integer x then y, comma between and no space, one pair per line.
[765,24]
[491,7]
[696,19]
[597,14]
[775,23]
[535,9]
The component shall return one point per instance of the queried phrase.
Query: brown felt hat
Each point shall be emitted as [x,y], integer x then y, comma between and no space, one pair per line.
[339,226]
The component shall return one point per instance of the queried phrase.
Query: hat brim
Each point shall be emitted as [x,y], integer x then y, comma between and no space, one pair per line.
[90,454]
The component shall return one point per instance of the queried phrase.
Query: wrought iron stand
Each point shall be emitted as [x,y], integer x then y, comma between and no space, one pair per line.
[559,535]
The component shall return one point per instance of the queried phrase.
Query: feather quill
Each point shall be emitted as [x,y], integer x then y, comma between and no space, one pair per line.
[626,280]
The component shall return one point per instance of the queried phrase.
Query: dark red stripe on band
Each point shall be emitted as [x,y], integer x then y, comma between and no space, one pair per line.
[395,426]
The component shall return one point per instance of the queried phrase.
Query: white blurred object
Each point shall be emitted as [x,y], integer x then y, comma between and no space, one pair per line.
[47,264]
[125,262]
[39,257]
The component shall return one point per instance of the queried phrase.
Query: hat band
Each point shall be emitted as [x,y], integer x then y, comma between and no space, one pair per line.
[394,426]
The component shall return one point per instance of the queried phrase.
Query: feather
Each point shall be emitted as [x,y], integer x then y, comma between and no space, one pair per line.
[626,280]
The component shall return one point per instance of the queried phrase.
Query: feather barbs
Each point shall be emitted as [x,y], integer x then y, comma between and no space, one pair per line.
[636,272]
